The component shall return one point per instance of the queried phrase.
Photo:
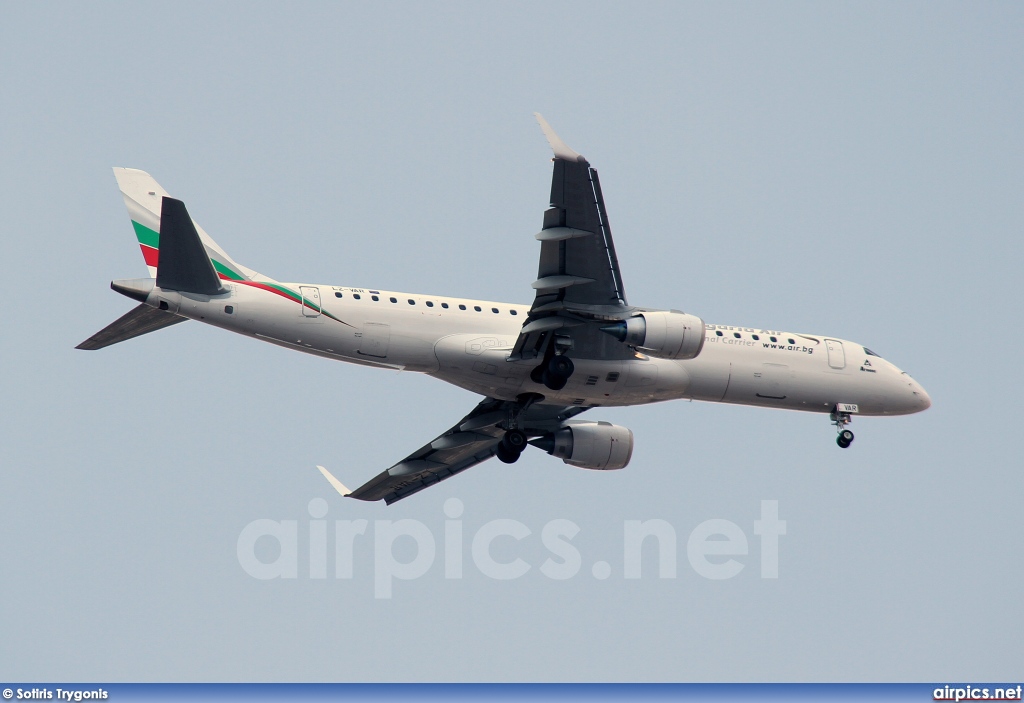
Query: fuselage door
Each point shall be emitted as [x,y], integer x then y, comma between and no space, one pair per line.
[836,355]
[772,381]
[310,301]
[374,340]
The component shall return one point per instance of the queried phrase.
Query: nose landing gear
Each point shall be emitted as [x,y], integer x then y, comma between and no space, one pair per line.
[841,419]
[844,439]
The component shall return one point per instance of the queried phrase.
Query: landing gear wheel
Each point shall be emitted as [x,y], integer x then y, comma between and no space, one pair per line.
[514,441]
[841,419]
[561,366]
[505,455]
[554,381]
[537,375]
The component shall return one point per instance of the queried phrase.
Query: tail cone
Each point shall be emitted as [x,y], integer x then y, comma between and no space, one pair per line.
[618,330]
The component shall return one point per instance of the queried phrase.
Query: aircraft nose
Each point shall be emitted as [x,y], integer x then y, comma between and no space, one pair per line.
[922,397]
[911,396]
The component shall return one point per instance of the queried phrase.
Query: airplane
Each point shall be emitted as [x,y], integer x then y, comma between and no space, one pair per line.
[578,345]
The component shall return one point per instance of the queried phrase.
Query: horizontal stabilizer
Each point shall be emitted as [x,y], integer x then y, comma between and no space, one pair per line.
[184,264]
[139,321]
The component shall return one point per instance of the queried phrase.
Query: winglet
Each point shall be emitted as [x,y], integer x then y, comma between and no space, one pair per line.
[557,145]
[338,485]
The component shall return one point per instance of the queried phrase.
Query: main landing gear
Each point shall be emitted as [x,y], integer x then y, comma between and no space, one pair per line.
[515,441]
[511,446]
[841,420]
[555,372]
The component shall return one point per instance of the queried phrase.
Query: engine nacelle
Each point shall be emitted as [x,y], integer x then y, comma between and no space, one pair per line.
[591,445]
[664,334]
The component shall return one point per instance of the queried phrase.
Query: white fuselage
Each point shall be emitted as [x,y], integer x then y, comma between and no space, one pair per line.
[467,342]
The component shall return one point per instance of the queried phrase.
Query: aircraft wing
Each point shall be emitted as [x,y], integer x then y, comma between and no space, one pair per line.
[473,440]
[579,286]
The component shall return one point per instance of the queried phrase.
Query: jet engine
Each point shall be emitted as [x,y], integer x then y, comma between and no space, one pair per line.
[664,334]
[589,445]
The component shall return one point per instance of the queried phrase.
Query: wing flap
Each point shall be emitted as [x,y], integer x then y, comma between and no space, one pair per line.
[409,476]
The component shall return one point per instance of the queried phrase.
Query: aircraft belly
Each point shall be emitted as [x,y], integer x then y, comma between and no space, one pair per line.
[476,362]
[373,340]
[709,377]
[412,352]
[767,384]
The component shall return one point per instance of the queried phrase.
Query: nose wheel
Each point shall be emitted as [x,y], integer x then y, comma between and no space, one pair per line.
[841,420]
[844,439]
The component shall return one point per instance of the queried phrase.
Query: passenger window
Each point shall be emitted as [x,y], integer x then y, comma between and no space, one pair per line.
[477,308]
[411,301]
[513,312]
[494,310]
[792,341]
[718,332]
[755,337]
[356,296]
[444,305]
[337,295]
[462,307]
[373,296]
[430,304]
[773,339]
[393,299]
[736,335]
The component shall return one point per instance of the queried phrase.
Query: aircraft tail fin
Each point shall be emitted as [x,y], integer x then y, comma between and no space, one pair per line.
[144,198]
[138,321]
[184,263]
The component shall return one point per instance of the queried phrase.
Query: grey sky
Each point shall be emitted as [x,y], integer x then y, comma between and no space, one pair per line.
[844,169]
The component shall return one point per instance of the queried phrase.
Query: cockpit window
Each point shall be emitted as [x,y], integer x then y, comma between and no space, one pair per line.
[870,353]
